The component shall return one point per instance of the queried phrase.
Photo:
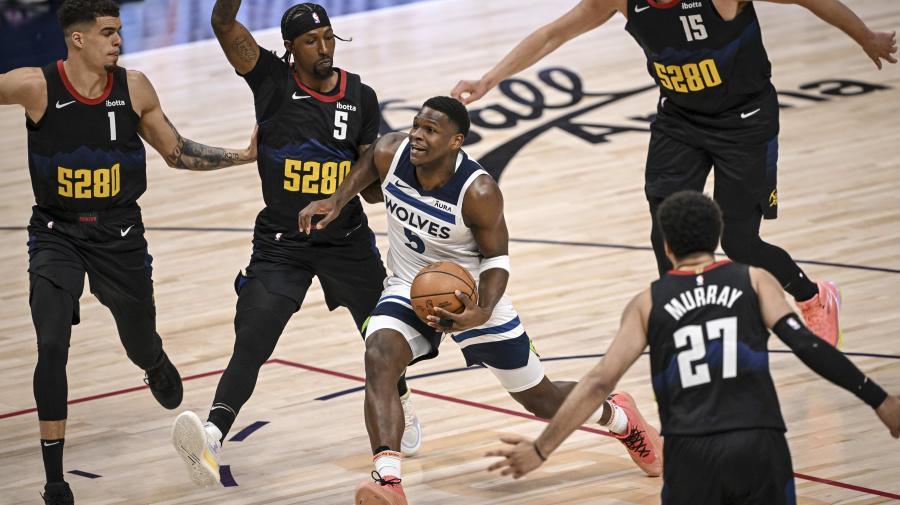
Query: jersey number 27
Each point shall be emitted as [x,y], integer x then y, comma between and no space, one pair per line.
[692,337]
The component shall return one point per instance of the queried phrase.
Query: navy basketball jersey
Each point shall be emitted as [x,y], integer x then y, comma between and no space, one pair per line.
[307,142]
[700,61]
[708,353]
[85,154]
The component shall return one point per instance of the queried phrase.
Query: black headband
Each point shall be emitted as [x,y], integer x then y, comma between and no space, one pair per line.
[303,23]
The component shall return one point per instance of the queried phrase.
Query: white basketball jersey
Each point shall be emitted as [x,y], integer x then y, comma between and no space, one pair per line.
[427,226]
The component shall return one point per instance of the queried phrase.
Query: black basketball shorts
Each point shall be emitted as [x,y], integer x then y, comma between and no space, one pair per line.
[740,145]
[108,246]
[741,467]
[351,272]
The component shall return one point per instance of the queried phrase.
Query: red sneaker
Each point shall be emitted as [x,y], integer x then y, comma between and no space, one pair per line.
[821,313]
[384,491]
[643,442]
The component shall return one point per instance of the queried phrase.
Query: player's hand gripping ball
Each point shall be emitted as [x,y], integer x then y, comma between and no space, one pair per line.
[436,285]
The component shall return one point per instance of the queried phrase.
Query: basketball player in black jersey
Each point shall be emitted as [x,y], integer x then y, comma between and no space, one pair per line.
[85,118]
[314,122]
[706,323]
[717,108]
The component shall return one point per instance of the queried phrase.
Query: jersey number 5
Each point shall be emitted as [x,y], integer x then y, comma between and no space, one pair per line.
[340,123]
[692,336]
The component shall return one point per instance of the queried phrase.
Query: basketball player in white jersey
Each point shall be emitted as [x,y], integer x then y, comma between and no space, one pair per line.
[442,206]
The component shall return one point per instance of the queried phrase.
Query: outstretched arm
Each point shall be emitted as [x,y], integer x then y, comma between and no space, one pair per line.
[239,46]
[178,151]
[363,173]
[877,45]
[587,396]
[819,356]
[585,16]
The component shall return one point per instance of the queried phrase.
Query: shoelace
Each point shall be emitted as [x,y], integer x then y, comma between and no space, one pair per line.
[407,411]
[384,482]
[55,500]
[636,442]
[156,379]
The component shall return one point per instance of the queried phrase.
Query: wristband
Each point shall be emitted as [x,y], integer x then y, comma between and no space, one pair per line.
[871,393]
[536,450]
[495,262]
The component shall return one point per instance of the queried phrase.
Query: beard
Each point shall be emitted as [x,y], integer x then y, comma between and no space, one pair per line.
[110,67]
[322,74]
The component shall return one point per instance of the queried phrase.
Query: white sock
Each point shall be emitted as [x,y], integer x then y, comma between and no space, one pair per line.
[387,463]
[213,430]
[597,416]
[618,422]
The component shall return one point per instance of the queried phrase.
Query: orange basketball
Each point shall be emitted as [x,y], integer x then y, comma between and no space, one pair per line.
[436,285]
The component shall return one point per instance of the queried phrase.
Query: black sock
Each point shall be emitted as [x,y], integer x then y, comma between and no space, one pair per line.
[52,451]
[801,287]
[402,387]
[382,449]
[223,417]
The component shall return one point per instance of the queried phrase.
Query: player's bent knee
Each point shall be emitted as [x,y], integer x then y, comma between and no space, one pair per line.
[256,333]
[387,352]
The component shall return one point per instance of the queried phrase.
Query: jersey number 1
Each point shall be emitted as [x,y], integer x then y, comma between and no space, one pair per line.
[694,375]
[112,125]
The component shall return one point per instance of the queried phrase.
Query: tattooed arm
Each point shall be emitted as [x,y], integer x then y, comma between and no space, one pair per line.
[178,151]
[239,46]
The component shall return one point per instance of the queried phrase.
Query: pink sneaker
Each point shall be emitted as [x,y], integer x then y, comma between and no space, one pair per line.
[821,313]
[643,442]
[384,491]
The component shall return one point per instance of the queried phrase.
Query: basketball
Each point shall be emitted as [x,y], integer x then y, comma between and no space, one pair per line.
[436,285]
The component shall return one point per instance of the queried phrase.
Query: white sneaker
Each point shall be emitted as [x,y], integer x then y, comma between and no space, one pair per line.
[198,448]
[412,432]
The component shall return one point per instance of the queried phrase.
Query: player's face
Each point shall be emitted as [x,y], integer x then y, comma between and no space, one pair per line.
[103,42]
[432,137]
[314,52]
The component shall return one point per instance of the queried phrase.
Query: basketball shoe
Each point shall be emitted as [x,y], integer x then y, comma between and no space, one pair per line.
[412,429]
[58,493]
[384,491]
[165,383]
[198,448]
[821,313]
[643,442]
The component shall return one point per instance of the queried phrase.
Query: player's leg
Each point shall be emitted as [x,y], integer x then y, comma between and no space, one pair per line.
[259,321]
[395,338]
[503,347]
[56,284]
[120,275]
[672,166]
[53,311]
[762,473]
[746,179]
[353,277]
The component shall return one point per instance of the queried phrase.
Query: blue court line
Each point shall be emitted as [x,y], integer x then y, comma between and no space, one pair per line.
[563,358]
[246,432]
[84,474]
[525,241]
[225,476]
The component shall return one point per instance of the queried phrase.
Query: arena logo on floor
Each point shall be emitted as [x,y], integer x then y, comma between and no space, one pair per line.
[526,106]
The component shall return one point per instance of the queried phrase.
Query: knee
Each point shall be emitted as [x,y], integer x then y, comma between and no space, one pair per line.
[739,244]
[53,351]
[256,333]
[383,358]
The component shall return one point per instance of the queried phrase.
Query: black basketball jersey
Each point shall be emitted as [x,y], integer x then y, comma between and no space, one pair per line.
[84,154]
[700,61]
[307,142]
[708,353]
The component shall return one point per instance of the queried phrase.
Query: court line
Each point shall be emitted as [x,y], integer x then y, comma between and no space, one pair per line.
[522,241]
[437,397]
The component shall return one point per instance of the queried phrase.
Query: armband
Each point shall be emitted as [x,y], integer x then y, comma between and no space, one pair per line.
[495,262]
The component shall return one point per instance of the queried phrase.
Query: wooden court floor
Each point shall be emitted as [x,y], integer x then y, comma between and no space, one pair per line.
[572,179]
